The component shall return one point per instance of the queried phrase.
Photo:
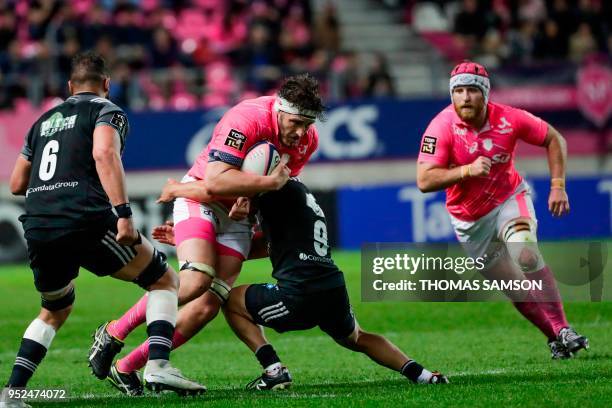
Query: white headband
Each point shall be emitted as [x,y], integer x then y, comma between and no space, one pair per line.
[478,81]
[284,105]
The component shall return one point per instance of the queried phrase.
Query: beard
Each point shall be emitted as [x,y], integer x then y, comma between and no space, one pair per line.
[469,113]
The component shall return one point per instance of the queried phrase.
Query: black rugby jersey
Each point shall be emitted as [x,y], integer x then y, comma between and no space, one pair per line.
[64,192]
[295,227]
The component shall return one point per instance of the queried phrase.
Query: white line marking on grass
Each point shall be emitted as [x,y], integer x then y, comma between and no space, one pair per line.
[495,371]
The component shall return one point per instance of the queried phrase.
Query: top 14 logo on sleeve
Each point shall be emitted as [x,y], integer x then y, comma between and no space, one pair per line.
[235,139]
[119,120]
[429,145]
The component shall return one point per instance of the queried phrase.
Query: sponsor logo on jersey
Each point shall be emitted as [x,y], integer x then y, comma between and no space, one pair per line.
[51,187]
[500,158]
[314,258]
[56,123]
[236,140]
[429,145]
[487,144]
[459,131]
[504,127]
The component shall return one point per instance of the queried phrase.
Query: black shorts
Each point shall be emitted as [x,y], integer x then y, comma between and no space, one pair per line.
[272,307]
[55,263]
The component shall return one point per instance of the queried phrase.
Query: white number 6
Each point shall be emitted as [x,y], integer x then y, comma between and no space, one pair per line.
[48,161]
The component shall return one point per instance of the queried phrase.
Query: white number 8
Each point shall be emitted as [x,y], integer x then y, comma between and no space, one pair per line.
[48,161]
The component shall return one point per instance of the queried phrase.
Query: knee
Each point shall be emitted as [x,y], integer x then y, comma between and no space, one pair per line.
[168,281]
[157,274]
[528,259]
[522,245]
[351,342]
[58,303]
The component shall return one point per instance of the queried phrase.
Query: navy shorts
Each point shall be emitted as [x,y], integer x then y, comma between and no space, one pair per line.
[270,306]
[56,262]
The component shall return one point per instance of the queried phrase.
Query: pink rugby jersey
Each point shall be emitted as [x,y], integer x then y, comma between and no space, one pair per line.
[450,142]
[250,122]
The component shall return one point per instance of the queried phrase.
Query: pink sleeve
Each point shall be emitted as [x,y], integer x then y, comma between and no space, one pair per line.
[531,129]
[231,140]
[435,144]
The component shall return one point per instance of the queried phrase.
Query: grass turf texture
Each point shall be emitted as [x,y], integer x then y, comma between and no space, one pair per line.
[491,355]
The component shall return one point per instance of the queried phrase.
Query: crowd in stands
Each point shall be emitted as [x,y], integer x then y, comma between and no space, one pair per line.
[176,54]
[502,32]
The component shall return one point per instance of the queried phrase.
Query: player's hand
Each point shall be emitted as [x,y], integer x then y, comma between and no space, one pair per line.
[558,202]
[167,194]
[126,232]
[241,208]
[164,233]
[281,173]
[480,167]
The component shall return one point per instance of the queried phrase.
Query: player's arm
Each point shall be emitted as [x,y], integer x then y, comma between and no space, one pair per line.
[225,180]
[434,171]
[434,177]
[556,150]
[20,177]
[193,190]
[107,155]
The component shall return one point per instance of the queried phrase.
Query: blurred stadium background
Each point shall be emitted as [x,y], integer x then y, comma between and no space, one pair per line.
[383,66]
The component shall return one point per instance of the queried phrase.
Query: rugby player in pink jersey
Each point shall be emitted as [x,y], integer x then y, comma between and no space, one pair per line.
[468,149]
[213,236]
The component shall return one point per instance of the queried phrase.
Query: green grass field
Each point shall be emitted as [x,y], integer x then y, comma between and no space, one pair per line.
[491,355]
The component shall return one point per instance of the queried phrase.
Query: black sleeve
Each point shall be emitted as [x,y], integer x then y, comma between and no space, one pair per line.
[27,150]
[112,115]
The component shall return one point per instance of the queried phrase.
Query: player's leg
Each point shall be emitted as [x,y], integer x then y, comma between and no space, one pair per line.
[191,319]
[195,229]
[481,238]
[518,230]
[193,282]
[196,226]
[144,265]
[261,299]
[54,268]
[337,320]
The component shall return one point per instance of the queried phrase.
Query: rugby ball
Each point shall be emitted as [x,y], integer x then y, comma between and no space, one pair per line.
[261,159]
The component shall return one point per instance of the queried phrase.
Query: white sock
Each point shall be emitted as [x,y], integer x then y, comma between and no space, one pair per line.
[273,369]
[162,305]
[425,376]
[40,332]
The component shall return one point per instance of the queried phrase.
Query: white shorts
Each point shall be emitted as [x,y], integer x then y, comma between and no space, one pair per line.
[481,236]
[211,222]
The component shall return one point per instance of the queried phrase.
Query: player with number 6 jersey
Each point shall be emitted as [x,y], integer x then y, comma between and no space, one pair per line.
[71,174]
[66,192]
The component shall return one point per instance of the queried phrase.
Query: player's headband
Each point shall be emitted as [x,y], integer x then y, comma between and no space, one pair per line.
[478,81]
[284,105]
